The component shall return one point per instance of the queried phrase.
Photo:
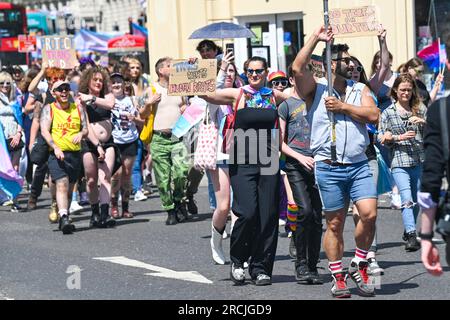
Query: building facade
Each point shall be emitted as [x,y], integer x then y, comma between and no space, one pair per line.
[96,15]
[282,27]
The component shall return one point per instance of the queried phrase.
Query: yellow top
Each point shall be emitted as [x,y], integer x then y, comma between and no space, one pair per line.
[66,124]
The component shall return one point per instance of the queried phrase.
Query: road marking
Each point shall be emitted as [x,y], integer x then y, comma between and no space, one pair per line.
[192,276]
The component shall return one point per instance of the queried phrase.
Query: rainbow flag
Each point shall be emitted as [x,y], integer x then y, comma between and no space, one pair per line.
[10,181]
[433,55]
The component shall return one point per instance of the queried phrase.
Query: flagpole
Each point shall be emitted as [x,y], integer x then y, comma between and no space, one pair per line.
[330,82]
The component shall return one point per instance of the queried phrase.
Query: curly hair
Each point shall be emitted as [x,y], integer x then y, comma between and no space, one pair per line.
[87,76]
[52,73]
[415,101]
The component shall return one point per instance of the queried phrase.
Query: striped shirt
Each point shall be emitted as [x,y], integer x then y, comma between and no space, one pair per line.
[408,153]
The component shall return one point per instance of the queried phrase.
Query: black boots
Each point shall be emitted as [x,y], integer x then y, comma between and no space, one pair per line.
[105,219]
[411,242]
[171,217]
[100,217]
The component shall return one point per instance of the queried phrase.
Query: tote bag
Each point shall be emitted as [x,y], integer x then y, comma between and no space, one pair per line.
[205,156]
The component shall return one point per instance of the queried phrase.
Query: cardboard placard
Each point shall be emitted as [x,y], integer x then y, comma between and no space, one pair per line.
[59,52]
[355,22]
[27,43]
[193,79]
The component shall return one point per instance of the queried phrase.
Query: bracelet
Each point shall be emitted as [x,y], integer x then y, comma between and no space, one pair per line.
[426,236]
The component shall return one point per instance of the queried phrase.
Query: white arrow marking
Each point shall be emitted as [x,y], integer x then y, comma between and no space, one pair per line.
[193,276]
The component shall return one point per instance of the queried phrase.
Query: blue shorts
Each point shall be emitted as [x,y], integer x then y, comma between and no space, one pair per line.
[340,184]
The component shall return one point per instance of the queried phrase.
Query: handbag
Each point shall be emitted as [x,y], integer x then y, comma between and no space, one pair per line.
[39,152]
[205,157]
[147,131]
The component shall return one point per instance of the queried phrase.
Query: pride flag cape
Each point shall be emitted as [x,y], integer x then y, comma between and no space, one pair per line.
[10,181]
[193,114]
[433,55]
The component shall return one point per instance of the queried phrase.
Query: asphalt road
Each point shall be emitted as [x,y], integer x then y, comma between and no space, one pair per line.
[159,262]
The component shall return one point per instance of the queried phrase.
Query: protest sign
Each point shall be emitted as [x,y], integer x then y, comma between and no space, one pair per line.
[27,43]
[196,79]
[59,51]
[354,22]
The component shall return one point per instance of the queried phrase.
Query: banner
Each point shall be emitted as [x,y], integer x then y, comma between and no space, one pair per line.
[197,79]
[354,22]
[59,51]
[27,43]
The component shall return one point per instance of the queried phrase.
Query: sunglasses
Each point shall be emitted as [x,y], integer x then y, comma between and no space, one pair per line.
[359,69]
[347,60]
[63,88]
[277,83]
[257,71]
[5,83]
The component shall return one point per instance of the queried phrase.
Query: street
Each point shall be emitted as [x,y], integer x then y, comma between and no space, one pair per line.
[142,258]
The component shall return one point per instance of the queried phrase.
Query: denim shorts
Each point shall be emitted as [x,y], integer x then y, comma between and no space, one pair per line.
[340,184]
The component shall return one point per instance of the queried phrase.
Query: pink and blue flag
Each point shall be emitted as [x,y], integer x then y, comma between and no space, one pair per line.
[10,181]
[139,31]
[193,114]
[433,55]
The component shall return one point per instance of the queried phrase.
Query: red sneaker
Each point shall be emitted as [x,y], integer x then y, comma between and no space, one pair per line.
[340,289]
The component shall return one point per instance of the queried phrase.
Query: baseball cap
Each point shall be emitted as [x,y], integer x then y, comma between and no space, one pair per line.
[116,74]
[277,75]
[59,83]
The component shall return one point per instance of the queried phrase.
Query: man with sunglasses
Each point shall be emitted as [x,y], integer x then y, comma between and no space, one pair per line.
[347,176]
[63,126]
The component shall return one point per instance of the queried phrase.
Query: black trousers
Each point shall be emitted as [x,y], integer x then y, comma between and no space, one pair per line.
[255,233]
[308,235]
[38,180]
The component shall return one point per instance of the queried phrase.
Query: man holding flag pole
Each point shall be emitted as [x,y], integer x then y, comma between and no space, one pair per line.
[341,167]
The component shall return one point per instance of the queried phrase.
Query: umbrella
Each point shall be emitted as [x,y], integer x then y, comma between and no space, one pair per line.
[222,30]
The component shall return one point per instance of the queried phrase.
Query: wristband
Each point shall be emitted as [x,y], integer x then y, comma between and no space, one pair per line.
[426,236]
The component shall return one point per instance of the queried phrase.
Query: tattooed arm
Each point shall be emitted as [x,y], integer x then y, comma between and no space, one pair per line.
[46,124]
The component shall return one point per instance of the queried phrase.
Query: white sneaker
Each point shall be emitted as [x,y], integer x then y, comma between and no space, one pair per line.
[216,246]
[281,222]
[139,196]
[75,207]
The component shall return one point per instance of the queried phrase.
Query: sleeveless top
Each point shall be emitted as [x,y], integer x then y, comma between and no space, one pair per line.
[352,137]
[255,140]
[66,124]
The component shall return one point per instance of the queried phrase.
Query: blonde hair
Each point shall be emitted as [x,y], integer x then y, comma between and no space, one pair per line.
[6,77]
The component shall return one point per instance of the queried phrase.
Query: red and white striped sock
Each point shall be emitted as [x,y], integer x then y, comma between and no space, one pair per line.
[360,255]
[335,266]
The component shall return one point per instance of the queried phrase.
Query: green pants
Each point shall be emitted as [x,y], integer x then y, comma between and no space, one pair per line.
[170,165]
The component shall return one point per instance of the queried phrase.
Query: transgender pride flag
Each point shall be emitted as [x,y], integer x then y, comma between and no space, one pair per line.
[434,55]
[10,181]
[139,31]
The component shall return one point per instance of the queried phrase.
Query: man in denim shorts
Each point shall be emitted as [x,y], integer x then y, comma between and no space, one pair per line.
[348,177]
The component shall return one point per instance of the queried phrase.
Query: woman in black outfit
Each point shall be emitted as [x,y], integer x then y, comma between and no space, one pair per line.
[254,173]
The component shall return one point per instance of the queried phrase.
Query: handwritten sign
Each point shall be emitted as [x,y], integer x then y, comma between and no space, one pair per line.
[354,22]
[27,43]
[193,79]
[59,52]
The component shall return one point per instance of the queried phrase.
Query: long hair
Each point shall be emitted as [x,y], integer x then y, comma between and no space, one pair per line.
[87,76]
[376,58]
[415,101]
[412,63]
[6,77]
